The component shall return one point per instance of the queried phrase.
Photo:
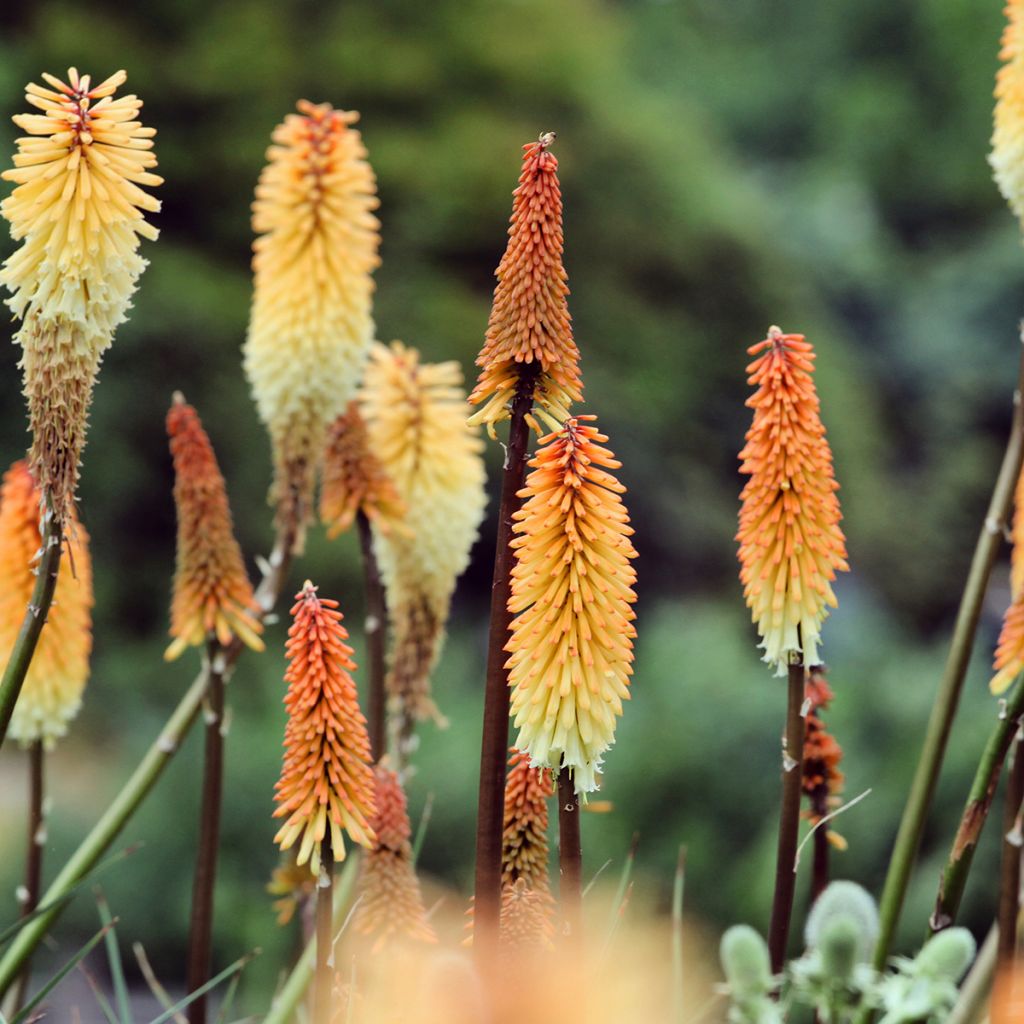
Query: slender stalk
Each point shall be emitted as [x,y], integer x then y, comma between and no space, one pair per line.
[203,883]
[677,938]
[494,743]
[376,624]
[789,819]
[983,789]
[1009,873]
[324,935]
[947,700]
[35,618]
[822,847]
[570,860]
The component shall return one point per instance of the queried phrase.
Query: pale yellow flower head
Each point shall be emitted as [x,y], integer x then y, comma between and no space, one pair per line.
[78,212]
[1007,156]
[311,326]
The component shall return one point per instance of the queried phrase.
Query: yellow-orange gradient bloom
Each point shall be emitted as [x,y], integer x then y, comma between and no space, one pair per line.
[529,326]
[354,479]
[390,902]
[52,692]
[1007,156]
[791,544]
[78,212]
[326,780]
[416,420]
[311,325]
[212,592]
[571,645]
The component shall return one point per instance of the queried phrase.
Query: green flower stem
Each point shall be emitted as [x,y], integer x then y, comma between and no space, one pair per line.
[324,935]
[979,801]
[948,698]
[35,619]
[376,639]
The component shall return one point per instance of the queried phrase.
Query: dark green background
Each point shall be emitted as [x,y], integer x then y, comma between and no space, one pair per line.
[725,166]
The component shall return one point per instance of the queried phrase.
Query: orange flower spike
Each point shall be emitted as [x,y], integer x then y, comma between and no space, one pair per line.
[326,779]
[524,852]
[571,645]
[52,692]
[529,320]
[355,480]
[212,592]
[391,903]
[1007,156]
[791,544]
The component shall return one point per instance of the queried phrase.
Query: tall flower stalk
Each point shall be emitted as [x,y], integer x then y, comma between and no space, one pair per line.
[790,548]
[529,359]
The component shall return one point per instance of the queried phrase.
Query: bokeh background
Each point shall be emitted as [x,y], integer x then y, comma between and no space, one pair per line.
[725,166]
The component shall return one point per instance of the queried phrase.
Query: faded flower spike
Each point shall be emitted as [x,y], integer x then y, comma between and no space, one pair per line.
[530,330]
[311,326]
[571,645]
[78,212]
[212,593]
[791,544]
[1009,659]
[52,692]
[1007,156]
[822,779]
[391,904]
[416,421]
[326,781]
[354,479]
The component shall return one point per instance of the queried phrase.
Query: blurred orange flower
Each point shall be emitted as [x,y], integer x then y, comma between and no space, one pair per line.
[1007,156]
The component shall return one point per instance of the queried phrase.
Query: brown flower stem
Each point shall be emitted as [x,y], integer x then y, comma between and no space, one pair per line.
[203,883]
[324,935]
[33,855]
[979,801]
[570,861]
[35,618]
[1009,873]
[789,820]
[947,700]
[820,862]
[376,639]
[494,743]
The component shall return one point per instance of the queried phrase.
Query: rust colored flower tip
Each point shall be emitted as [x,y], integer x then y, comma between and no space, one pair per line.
[791,544]
[354,480]
[529,326]
[415,414]
[52,692]
[78,212]
[212,593]
[326,780]
[391,903]
[571,645]
[1007,156]
[822,780]
[311,323]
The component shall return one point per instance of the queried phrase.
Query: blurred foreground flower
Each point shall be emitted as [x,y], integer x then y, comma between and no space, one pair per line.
[571,644]
[791,544]
[1009,659]
[1007,156]
[78,212]
[326,781]
[416,419]
[212,592]
[529,322]
[52,692]
[311,325]
[292,885]
[391,904]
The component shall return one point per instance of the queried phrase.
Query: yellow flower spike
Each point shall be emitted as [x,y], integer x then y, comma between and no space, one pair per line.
[310,326]
[1007,156]
[78,211]
[571,645]
[52,692]
[415,414]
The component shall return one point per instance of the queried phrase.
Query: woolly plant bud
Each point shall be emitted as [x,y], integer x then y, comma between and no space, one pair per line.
[840,947]
[745,961]
[843,900]
[946,955]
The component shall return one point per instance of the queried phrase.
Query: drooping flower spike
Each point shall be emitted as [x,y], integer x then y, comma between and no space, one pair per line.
[529,327]
[311,326]
[1007,156]
[390,903]
[326,782]
[78,212]
[355,480]
[416,421]
[212,593]
[571,645]
[790,541]
[52,692]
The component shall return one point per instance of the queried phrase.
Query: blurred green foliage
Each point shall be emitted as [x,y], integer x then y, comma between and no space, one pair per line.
[724,166]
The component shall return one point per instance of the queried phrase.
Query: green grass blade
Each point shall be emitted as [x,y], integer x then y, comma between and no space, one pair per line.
[677,936]
[101,1000]
[233,969]
[124,1006]
[229,998]
[421,829]
[620,893]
